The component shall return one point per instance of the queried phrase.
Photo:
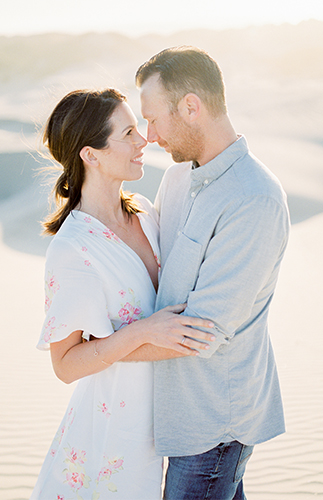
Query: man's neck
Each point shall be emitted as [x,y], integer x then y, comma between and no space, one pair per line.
[219,134]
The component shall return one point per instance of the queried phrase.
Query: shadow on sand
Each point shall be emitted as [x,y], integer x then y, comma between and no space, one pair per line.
[24,201]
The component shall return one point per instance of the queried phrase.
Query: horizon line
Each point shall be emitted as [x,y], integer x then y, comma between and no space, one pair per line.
[157,32]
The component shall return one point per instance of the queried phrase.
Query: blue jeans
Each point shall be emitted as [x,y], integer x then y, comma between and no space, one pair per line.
[214,475]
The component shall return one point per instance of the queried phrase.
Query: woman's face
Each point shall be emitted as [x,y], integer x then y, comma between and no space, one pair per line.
[122,160]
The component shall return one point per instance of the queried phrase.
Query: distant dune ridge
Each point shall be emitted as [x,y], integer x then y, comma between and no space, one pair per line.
[274,82]
[284,50]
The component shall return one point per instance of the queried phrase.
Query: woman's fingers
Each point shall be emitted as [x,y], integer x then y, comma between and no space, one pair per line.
[197,334]
[189,346]
[194,321]
[194,344]
[178,308]
[187,351]
[167,328]
[187,320]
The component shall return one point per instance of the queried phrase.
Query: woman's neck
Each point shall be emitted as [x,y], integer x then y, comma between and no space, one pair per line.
[104,204]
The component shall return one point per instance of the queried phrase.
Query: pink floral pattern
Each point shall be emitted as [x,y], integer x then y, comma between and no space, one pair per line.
[51,287]
[157,259]
[102,407]
[86,465]
[75,473]
[106,232]
[130,311]
[75,479]
[113,466]
[50,330]
[75,457]
[110,235]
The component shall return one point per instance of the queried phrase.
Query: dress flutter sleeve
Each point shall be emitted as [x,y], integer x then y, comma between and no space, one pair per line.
[74,296]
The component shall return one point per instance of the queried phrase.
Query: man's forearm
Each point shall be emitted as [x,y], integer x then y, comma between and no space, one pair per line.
[150,352]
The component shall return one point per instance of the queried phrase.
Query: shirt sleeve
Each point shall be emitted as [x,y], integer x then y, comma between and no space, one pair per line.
[240,267]
[74,296]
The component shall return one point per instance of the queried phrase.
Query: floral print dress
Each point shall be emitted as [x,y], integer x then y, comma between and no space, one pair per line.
[104,446]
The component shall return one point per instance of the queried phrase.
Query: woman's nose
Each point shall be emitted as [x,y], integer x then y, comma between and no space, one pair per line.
[152,135]
[141,141]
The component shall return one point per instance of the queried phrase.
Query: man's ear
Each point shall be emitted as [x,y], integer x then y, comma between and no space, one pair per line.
[189,107]
[87,154]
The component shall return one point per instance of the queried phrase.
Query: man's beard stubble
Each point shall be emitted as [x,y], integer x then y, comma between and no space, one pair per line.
[188,142]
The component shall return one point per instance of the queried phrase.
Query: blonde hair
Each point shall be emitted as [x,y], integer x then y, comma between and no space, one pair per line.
[183,70]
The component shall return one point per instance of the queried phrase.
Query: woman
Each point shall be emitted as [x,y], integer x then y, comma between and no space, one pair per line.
[101,278]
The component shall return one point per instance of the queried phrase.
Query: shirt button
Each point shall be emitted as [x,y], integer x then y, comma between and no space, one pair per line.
[193,194]
[206,182]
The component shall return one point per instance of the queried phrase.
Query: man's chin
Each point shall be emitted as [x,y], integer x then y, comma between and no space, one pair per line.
[178,157]
[163,145]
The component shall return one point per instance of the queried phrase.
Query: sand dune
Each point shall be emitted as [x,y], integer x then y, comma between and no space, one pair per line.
[274,88]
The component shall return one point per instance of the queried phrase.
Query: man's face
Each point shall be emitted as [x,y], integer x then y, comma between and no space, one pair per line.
[168,128]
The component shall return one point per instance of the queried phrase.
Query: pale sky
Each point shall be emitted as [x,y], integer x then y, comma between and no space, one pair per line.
[136,17]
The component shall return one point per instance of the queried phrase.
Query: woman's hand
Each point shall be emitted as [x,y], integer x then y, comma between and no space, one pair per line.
[169,329]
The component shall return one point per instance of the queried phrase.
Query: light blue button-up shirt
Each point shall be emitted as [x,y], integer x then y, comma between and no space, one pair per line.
[224,230]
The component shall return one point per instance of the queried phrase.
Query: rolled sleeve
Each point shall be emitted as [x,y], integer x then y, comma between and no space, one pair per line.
[240,266]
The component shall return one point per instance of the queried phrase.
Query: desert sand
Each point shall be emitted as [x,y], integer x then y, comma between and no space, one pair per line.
[274,79]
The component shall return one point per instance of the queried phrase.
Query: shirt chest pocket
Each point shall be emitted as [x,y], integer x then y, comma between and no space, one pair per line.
[180,271]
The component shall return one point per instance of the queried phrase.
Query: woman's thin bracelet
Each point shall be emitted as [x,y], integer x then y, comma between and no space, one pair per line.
[96,354]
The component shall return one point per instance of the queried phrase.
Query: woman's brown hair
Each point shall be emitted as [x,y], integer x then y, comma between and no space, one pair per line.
[81,118]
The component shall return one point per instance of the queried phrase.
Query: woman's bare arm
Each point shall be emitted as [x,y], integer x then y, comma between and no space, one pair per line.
[73,359]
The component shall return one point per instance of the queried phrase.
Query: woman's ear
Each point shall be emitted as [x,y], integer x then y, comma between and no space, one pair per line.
[87,154]
[189,107]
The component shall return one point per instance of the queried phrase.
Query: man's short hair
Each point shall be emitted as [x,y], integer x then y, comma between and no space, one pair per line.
[183,70]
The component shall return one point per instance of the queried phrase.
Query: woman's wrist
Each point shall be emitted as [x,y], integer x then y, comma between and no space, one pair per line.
[139,331]
[120,343]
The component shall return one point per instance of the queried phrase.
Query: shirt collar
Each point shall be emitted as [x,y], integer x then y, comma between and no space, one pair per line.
[220,164]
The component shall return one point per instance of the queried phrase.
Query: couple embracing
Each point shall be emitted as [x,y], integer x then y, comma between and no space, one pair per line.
[160,312]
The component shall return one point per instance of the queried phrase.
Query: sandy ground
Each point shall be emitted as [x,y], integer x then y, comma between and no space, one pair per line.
[33,400]
[282,120]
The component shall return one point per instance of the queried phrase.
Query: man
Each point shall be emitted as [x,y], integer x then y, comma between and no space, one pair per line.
[224,228]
